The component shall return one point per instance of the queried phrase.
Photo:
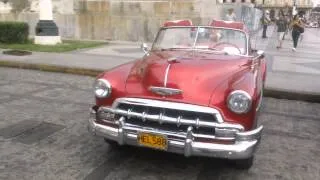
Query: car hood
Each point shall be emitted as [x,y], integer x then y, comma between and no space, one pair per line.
[195,74]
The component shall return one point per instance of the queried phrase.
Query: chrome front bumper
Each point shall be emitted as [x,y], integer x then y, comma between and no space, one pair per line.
[244,145]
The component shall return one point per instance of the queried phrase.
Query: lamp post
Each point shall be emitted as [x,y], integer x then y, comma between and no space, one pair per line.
[47,32]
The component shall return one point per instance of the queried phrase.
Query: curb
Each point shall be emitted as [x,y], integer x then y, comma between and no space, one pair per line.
[268,92]
[282,94]
[51,68]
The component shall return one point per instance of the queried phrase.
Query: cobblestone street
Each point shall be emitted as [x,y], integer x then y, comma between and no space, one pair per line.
[43,135]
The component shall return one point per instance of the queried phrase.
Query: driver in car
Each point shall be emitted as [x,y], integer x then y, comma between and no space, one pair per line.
[217,42]
[215,37]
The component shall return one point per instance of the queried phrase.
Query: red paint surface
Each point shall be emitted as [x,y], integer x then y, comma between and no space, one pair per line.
[206,79]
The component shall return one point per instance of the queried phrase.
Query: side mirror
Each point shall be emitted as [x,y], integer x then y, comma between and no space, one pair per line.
[145,48]
[260,53]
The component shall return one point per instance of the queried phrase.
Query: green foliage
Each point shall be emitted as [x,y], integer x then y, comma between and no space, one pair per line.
[67,45]
[14,32]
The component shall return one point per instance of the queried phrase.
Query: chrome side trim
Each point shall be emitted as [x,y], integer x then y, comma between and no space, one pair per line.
[166,76]
[163,91]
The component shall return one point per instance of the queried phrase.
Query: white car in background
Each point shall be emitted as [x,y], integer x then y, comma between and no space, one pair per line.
[312,25]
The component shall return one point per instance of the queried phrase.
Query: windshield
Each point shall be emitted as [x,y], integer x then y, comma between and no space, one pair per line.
[216,39]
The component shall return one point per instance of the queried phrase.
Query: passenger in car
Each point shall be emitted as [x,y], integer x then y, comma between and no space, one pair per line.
[215,36]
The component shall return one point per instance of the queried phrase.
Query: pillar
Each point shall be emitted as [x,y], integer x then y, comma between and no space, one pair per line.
[47,32]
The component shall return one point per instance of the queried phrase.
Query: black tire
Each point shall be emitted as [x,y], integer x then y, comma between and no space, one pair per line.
[244,164]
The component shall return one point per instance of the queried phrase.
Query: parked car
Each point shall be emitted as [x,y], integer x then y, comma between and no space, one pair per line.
[312,25]
[196,92]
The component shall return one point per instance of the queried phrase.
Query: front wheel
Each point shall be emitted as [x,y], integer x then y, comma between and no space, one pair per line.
[244,163]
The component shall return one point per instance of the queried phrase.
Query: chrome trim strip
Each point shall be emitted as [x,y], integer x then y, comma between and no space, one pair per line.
[170,105]
[260,100]
[166,76]
[196,38]
[249,135]
[131,127]
[120,131]
[188,142]
[162,118]
[163,91]
[244,146]
[178,121]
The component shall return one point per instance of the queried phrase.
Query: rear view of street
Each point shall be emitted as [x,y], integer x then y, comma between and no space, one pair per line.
[43,135]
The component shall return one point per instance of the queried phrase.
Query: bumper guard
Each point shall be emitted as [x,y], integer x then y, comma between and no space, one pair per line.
[244,146]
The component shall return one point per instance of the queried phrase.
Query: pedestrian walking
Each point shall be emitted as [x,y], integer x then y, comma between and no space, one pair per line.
[265,21]
[287,18]
[282,28]
[297,29]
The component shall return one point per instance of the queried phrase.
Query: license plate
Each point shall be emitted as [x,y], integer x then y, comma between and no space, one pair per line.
[153,140]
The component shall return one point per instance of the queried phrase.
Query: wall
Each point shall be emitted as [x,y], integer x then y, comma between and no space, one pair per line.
[130,20]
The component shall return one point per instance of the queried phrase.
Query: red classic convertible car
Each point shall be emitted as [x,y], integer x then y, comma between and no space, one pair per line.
[196,92]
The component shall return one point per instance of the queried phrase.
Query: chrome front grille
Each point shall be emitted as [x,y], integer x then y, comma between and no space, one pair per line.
[163,114]
[169,127]
[167,115]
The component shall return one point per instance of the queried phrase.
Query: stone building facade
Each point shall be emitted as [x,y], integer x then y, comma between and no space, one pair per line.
[131,20]
[275,5]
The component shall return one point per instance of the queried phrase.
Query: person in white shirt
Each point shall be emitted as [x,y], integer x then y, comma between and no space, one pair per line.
[231,16]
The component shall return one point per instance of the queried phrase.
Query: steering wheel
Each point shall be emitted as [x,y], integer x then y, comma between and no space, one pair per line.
[223,43]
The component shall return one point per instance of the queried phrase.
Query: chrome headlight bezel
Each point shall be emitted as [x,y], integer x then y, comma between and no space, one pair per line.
[102,88]
[240,95]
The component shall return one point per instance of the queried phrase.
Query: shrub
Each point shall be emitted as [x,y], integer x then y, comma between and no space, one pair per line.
[14,32]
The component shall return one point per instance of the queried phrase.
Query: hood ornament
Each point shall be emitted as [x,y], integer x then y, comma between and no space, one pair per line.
[163,91]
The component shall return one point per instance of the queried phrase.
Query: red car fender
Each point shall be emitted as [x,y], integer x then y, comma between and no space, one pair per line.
[245,82]
[117,78]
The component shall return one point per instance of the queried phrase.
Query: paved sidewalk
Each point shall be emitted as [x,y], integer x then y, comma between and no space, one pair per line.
[294,73]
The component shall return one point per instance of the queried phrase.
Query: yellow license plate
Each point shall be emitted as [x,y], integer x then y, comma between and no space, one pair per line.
[153,140]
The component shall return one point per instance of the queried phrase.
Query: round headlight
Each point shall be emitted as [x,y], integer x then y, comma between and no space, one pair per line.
[239,102]
[102,88]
